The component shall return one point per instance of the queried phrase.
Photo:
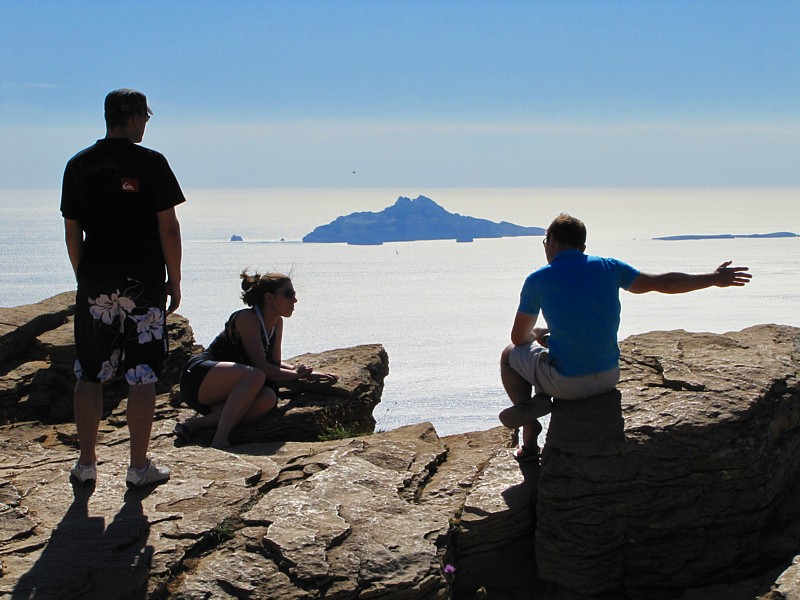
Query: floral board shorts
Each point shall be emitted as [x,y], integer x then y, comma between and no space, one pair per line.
[120,327]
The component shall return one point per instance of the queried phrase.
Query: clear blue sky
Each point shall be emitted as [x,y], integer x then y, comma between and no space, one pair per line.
[413,93]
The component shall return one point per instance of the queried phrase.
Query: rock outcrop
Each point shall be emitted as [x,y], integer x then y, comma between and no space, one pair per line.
[38,356]
[684,484]
[688,477]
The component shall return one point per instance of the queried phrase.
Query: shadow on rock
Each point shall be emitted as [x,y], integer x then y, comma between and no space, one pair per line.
[85,559]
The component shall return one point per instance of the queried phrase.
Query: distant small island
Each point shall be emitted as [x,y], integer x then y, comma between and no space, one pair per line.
[412,220]
[728,236]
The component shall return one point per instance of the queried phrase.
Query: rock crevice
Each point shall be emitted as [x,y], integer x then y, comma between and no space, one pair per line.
[681,484]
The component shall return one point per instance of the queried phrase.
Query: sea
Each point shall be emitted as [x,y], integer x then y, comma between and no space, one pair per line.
[442,309]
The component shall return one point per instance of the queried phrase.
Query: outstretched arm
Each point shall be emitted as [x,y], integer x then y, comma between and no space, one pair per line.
[680,283]
[249,330]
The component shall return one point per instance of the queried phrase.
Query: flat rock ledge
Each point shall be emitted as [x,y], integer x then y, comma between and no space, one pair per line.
[684,484]
[364,517]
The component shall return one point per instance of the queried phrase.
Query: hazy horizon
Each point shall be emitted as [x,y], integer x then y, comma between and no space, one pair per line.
[358,94]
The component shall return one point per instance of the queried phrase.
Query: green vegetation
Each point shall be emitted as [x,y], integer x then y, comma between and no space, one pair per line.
[338,431]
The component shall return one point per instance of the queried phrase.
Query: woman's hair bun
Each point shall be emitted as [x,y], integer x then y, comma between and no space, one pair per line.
[255,285]
[249,281]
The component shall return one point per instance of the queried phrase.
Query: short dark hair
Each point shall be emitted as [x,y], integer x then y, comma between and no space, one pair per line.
[122,104]
[568,231]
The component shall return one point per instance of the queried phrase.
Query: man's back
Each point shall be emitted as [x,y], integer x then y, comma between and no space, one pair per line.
[115,189]
[579,298]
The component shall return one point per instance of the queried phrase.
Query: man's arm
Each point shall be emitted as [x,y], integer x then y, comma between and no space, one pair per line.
[169,230]
[680,283]
[524,330]
[73,236]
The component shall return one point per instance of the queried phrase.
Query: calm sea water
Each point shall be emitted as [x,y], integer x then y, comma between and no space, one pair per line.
[442,310]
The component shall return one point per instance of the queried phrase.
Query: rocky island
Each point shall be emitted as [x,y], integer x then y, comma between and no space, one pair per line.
[411,220]
[728,236]
[684,484]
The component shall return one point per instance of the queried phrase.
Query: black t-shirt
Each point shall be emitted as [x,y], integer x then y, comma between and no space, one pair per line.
[115,189]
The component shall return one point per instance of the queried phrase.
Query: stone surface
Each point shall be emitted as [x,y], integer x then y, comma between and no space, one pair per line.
[21,325]
[684,484]
[308,410]
[37,357]
[688,477]
[787,587]
[355,518]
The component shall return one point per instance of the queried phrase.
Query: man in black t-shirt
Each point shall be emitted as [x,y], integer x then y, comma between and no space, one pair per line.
[118,202]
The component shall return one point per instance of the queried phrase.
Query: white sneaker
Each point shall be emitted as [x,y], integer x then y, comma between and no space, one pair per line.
[84,473]
[152,474]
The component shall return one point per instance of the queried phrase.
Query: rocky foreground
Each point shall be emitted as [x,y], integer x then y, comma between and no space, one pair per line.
[685,484]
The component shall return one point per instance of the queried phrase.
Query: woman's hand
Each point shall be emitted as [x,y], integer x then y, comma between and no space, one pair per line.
[317,376]
[303,371]
[309,374]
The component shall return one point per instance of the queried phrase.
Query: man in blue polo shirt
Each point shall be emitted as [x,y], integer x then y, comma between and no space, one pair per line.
[577,356]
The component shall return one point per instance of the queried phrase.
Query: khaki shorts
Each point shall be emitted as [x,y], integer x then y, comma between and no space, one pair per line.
[532,362]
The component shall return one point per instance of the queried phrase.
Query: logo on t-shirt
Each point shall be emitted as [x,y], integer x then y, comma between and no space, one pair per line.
[129,184]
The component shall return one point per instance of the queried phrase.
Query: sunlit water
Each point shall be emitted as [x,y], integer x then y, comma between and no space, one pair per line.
[443,310]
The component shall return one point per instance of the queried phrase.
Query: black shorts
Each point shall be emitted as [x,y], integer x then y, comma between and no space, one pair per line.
[192,377]
[120,327]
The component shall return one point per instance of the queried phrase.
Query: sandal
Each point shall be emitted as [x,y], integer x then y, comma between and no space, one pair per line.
[182,433]
[525,454]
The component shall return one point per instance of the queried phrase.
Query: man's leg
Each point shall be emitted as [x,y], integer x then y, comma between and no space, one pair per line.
[517,387]
[141,406]
[88,405]
[519,391]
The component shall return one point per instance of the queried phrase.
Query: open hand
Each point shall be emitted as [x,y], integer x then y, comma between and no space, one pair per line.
[732,276]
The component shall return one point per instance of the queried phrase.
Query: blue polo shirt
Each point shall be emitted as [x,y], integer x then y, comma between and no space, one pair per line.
[578,296]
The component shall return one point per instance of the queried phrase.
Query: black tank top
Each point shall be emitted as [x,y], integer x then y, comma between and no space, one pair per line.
[228,346]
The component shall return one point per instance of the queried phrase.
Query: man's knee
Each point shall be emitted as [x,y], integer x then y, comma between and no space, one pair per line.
[505,354]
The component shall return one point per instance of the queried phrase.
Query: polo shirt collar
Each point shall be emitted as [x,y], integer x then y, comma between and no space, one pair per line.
[566,254]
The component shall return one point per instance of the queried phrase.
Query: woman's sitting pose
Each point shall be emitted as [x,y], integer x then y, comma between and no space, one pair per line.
[236,379]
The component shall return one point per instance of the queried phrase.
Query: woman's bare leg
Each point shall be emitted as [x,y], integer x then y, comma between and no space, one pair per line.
[235,387]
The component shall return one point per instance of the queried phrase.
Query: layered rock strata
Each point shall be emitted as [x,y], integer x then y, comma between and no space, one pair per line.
[684,484]
[689,475]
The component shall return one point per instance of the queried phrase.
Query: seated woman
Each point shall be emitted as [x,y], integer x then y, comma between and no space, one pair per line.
[236,379]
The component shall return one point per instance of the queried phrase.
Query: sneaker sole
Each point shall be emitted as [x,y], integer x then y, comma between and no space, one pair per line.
[78,480]
[139,486]
[520,415]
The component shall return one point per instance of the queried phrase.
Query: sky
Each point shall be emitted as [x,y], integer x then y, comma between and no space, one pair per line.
[424,94]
